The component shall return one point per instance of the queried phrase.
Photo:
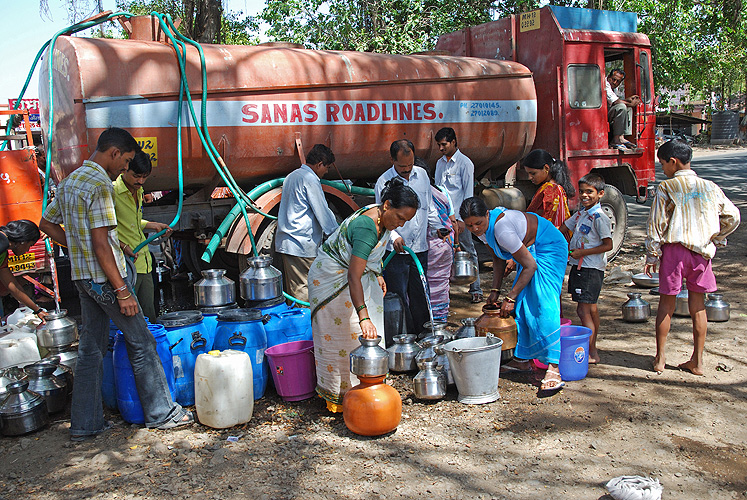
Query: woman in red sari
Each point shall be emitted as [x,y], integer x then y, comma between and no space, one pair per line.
[555,186]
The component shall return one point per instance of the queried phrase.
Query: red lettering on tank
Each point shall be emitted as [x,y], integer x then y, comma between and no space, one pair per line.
[385,117]
[405,111]
[347,112]
[266,116]
[332,111]
[373,112]
[429,111]
[360,114]
[281,113]
[310,110]
[295,113]
[251,115]
[416,109]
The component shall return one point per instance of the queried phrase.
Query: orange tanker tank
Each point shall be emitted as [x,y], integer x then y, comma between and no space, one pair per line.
[261,97]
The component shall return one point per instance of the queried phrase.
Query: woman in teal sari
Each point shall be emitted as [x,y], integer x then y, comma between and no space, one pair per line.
[346,288]
[541,254]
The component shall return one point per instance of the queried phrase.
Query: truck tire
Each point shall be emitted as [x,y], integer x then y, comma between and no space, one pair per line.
[614,206]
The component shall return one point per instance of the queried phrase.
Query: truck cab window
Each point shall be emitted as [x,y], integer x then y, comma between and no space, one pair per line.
[584,91]
[645,78]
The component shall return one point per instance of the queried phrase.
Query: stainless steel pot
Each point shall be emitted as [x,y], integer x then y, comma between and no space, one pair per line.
[8,376]
[50,387]
[61,371]
[402,353]
[369,359]
[22,411]
[58,331]
[681,307]
[636,310]
[214,289]
[463,271]
[467,330]
[430,382]
[717,309]
[437,328]
[442,360]
[427,351]
[68,356]
[261,281]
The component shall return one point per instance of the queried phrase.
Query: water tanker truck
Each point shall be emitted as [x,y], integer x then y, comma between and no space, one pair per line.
[503,89]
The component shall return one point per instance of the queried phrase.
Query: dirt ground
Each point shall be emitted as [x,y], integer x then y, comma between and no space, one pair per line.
[623,419]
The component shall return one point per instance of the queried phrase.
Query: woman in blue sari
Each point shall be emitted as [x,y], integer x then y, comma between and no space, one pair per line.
[541,254]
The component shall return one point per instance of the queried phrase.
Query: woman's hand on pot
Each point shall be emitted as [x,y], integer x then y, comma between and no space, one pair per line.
[382,284]
[506,308]
[368,329]
[493,298]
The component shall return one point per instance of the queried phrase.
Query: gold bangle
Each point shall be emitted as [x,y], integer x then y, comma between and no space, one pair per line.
[513,301]
[495,290]
[125,297]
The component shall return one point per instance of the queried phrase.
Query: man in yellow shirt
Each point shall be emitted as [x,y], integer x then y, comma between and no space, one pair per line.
[128,202]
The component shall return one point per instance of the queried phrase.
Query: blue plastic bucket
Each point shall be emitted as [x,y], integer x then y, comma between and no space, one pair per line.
[188,338]
[574,352]
[210,320]
[108,385]
[128,400]
[288,326]
[244,330]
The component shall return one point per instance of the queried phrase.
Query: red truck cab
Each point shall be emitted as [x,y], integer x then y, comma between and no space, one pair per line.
[570,51]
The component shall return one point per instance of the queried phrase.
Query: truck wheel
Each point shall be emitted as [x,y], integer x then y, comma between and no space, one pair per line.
[614,206]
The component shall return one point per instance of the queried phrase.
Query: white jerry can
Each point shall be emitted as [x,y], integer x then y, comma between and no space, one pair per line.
[224,388]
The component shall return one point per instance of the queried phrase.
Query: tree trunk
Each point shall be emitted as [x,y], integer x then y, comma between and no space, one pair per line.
[207,21]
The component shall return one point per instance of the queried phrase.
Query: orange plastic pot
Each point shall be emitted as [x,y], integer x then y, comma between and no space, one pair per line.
[372,408]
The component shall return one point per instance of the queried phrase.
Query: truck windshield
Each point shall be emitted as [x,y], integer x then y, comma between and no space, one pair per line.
[584,90]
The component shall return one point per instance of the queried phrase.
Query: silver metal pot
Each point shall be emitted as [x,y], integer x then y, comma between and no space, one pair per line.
[681,307]
[68,356]
[467,330]
[58,331]
[214,289]
[50,387]
[443,363]
[61,371]
[464,271]
[636,310]
[717,309]
[427,351]
[402,353]
[369,359]
[437,328]
[22,411]
[430,382]
[261,281]
[8,376]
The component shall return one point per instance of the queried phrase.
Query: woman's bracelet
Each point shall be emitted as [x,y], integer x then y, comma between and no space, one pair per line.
[125,297]
[123,287]
[513,301]
[360,307]
[494,290]
[364,319]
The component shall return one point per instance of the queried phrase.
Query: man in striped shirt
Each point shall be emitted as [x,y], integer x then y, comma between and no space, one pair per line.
[689,218]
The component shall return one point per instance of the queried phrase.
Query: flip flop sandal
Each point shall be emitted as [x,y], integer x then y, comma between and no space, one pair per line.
[477,297]
[629,145]
[171,424]
[560,385]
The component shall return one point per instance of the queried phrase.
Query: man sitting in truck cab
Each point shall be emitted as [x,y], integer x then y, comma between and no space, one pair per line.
[617,110]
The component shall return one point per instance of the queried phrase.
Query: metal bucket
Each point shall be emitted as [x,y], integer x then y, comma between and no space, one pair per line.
[476,365]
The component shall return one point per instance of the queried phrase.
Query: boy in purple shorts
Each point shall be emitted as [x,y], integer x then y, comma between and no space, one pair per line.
[689,218]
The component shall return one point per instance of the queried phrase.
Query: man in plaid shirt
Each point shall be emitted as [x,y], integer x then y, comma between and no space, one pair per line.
[84,203]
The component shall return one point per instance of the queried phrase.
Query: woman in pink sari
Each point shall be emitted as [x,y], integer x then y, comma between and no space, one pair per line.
[440,252]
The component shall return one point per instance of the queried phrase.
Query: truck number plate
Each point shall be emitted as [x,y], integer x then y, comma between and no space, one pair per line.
[529,21]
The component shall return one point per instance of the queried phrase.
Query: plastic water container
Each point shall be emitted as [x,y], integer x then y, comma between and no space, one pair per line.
[188,338]
[244,330]
[21,314]
[224,389]
[108,384]
[293,370]
[210,319]
[574,352]
[18,351]
[276,305]
[128,400]
[288,326]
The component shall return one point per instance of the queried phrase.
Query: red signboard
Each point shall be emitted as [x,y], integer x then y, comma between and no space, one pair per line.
[32,105]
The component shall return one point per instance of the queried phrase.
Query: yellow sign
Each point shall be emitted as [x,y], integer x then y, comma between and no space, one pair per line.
[529,21]
[150,146]
[20,263]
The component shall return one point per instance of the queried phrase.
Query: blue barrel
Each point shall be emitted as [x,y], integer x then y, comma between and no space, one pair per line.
[288,326]
[276,305]
[108,384]
[244,330]
[128,400]
[188,338]
[210,319]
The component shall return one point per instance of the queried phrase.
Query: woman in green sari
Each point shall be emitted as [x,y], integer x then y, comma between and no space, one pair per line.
[346,288]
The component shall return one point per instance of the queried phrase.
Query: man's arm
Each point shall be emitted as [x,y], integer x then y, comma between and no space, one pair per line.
[128,304]
[54,231]
[320,208]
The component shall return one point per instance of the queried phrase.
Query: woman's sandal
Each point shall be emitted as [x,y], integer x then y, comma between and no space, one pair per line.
[477,297]
[187,418]
[554,377]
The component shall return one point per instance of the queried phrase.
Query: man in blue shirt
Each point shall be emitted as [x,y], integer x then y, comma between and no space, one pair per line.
[401,274]
[303,219]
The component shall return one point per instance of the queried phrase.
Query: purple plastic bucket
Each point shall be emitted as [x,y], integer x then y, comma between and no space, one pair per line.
[292,368]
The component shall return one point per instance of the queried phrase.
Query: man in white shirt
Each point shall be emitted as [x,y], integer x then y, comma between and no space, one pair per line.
[304,218]
[456,173]
[401,274]
[617,110]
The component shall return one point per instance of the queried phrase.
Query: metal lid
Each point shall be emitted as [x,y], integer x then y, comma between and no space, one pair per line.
[259,261]
[240,315]
[178,319]
[404,338]
[218,309]
[20,399]
[40,369]
[57,315]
